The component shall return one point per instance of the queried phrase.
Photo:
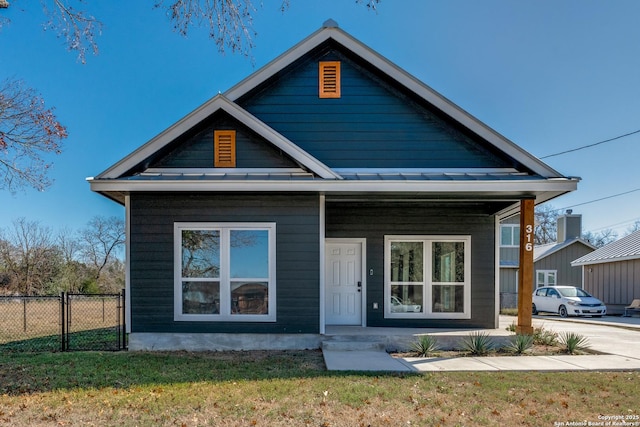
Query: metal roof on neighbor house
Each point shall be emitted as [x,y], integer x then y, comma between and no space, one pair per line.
[543,251]
[627,248]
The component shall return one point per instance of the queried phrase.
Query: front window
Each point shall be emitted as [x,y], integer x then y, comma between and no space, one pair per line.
[427,276]
[225,272]
[509,235]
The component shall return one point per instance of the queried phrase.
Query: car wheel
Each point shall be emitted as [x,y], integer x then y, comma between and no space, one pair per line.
[534,310]
[563,311]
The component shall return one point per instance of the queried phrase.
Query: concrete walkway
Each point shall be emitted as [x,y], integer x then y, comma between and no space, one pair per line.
[618,337]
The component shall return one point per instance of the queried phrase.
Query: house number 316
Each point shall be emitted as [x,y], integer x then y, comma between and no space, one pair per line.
[528,246]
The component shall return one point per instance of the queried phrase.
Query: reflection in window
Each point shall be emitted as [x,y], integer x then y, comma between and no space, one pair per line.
[201,253]
[428,277]
[227,271]
[249,298]
[406,261]
[448,262]
[447,299]
[201,297]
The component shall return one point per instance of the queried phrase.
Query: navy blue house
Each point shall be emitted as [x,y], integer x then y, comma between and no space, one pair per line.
[330,187]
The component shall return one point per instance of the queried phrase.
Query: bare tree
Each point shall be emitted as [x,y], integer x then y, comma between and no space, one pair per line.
[228,22]
[100,241]
[28,255]
[546,224]
[28,132]
[600,239]
[633,228]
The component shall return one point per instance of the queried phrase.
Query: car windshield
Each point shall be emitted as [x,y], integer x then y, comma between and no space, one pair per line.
[573,292]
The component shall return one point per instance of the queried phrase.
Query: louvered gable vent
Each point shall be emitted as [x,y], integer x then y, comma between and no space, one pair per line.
[330,79]
[225,148]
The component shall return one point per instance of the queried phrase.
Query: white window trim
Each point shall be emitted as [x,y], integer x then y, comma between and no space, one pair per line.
[270,227]
[547,273]
[515,238]
[427,278]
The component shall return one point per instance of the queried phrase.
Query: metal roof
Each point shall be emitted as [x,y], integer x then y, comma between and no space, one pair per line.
[627,248]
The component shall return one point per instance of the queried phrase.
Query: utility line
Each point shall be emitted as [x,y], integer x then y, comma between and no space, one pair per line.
[591,145]
[599,200]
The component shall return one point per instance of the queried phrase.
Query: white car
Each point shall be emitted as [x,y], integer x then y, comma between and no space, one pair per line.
[567,301]
[398,306]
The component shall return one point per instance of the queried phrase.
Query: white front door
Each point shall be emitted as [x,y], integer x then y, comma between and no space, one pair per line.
[343,281]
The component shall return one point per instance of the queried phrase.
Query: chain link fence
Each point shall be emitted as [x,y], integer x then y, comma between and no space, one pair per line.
[62,323]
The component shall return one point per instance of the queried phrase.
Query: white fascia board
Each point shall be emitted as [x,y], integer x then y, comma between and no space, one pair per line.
[219,102]
[402,77]
[516,188]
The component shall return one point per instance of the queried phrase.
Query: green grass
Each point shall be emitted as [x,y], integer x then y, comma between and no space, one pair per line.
[289,388]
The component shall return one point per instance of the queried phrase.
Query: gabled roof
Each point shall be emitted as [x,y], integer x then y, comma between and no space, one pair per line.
[627,248]
[217,103]
[532,179]
[331,31]
[543,251]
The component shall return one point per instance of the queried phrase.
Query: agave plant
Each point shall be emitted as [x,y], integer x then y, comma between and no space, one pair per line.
[572,342]
[478,343]
[519,344]
[426,345]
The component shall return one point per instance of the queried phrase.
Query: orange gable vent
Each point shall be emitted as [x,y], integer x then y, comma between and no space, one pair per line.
[224,142]
[330,79]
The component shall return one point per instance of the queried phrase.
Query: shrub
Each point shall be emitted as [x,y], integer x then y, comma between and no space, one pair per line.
[542,336]
[572,342]
[426,345]
[478,343]
[511,327]
[519,343]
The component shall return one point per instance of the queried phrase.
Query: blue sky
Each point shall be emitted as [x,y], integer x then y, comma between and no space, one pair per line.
[550,75]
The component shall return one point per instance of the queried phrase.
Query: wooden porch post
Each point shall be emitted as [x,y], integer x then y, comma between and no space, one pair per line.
[525,273]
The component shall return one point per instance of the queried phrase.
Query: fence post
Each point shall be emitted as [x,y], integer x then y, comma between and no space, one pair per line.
[24,314]
[124,319]
[62,322]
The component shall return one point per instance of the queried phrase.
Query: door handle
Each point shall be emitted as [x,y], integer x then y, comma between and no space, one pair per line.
[359,286]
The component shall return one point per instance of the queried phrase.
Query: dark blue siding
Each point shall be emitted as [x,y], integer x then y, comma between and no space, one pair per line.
[195,150]
[371,125]
[297,253]
[373,222]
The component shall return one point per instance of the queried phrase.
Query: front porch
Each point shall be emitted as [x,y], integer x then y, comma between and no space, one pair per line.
[401,339]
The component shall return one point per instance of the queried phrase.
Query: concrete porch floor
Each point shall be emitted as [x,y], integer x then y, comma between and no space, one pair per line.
[401,339]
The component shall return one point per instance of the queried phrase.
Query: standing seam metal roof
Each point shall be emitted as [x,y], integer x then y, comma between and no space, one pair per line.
[623,249]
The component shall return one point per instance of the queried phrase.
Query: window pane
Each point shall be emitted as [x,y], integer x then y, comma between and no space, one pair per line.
[551,278]
[448,261]
[249,298]
[249,253]
[406,262]
[516,236]
[505,235]
[406,299]
[200,297]
[448,299]
[201,253]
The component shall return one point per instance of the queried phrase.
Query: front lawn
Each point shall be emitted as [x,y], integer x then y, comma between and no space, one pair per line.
[292,389]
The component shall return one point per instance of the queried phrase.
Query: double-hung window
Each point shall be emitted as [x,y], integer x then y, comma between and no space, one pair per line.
[428,277]
[225,272]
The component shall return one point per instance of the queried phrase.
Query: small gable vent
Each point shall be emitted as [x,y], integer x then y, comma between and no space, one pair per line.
[330,79]
[224,142]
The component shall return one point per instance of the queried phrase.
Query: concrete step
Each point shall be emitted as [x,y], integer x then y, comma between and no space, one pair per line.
[346,343]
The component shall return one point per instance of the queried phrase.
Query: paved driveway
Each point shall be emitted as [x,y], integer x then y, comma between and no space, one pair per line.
[611,334]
